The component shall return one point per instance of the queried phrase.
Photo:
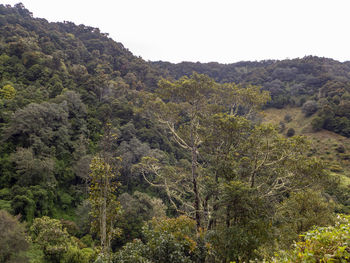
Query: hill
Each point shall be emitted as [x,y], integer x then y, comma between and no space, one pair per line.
[321,81]
[195,153]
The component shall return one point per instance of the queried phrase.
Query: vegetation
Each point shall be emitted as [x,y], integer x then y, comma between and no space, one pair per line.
[323,244]
[104,206]
[321,83]
[12,238]
[107,158]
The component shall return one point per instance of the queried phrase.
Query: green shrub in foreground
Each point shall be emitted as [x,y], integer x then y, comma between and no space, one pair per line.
[323,244]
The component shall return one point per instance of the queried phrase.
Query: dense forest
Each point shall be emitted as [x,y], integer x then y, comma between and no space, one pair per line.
[321,85]
[105,157]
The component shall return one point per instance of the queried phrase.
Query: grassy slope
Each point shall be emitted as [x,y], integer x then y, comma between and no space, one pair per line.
[323,143]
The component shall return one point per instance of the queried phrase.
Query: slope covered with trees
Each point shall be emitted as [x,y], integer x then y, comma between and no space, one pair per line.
[106,157]
[319,85]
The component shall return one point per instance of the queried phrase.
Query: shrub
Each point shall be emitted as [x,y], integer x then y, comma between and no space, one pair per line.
[166,240]
[51,237]
[340,148]
[57,244]
[76,255]
[323,244]
[317,123]
[288,118]
[290,132]
[309,107]
[281,127]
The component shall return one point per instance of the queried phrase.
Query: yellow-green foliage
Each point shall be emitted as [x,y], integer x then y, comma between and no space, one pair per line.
[166,240]
[104,204]
[7,92]
[323,244]
[57,244]
[182,228]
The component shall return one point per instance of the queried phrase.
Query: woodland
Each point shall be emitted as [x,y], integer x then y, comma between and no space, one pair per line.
[106,157]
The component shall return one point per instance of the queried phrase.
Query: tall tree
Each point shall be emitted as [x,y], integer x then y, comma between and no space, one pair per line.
[103,199]
[104,204]
[185,106]
[103,186]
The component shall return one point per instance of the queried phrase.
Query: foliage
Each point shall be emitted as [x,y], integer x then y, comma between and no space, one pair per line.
[136,209]
[185,108]
[193,145]
[77,255]
[317,123]
[104,204]
[323,244]
[56,243]
[288,118]
[309,107]
[12,239]
[51,237]
[166,240]
[7,92]
[242,224]
[290,132]
[318,83]
[302,211]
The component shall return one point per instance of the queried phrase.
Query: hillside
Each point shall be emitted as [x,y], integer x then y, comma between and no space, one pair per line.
[328,145]
[104,156]
[323,81]
[60,84]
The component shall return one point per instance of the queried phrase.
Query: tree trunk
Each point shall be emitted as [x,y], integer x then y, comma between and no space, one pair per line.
[104,218]
[194,179]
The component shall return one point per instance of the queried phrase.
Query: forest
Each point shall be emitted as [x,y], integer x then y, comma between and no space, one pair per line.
[106,157]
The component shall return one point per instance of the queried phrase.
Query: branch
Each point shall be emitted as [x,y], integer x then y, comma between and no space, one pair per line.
[177,138]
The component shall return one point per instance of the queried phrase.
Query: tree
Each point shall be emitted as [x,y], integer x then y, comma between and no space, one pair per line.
[242,223]
[31,169]
[184,108]
[189,99]
[43,126]
[104,204]
[137,209]
[166,240]
[309,107]
[51,237]
[7,92]
[12,239]
[57,244]
[300,212]
[248,171]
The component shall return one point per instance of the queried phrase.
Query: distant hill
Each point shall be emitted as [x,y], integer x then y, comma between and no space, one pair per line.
[323,81]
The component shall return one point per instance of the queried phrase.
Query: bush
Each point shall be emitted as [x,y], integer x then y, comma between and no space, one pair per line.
[281,127]
[57,245]
[290,132]
[317,123]
[51,237]
[288,118]
[323,244]
[309,107]
[340,148]
[300,212]
[76,255]
[166,240]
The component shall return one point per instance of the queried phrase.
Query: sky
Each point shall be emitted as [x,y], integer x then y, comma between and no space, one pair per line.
[224,31]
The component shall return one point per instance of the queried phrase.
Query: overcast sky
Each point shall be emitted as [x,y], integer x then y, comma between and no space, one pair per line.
[225,31]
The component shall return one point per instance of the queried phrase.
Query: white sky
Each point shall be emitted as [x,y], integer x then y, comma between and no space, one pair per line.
[225,31]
